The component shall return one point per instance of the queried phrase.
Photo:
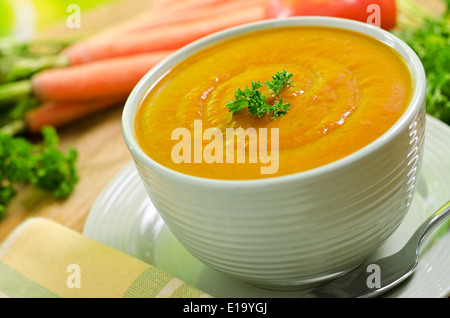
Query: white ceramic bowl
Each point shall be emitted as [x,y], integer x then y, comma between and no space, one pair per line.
[298,230]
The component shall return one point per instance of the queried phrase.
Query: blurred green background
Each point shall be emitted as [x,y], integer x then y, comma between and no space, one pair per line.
[23,18]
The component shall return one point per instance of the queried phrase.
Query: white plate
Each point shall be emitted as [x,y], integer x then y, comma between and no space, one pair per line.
[124,218]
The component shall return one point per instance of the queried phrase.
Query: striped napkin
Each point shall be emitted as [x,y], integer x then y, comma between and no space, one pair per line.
[43,259]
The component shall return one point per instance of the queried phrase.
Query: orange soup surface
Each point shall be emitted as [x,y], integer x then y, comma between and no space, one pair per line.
[347,90]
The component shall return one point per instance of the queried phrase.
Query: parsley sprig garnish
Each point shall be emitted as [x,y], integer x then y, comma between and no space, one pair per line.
[279,81]
[256,102]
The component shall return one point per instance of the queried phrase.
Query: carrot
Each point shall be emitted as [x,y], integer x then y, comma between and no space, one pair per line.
[170,37]
[161,13]
[146,20]
[179,5]
[58,114]
[108,78]
[209,10]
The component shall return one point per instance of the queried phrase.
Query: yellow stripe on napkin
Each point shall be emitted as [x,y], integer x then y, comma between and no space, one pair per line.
[47,259]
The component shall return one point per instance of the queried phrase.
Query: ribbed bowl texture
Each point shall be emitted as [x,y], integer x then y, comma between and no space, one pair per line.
[294,231]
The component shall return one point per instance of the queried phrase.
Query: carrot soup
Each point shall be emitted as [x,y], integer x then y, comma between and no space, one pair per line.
[346,90]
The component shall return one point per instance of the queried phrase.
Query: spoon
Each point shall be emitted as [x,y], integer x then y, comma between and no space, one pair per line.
[392,270]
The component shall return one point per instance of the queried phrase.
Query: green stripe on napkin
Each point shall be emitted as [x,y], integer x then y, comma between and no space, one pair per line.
[43,259]
[14,284]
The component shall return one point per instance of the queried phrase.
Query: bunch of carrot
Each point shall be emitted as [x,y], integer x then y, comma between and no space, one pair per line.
[101,70]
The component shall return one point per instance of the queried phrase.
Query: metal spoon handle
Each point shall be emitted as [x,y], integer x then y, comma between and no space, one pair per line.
[396,268]
[429,225]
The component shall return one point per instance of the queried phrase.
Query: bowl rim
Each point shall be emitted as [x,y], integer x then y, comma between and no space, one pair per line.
[153,75]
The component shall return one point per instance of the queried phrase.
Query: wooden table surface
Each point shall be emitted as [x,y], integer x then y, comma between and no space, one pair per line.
[98,139]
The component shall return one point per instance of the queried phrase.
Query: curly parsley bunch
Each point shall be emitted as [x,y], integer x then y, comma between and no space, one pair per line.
[42,165]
